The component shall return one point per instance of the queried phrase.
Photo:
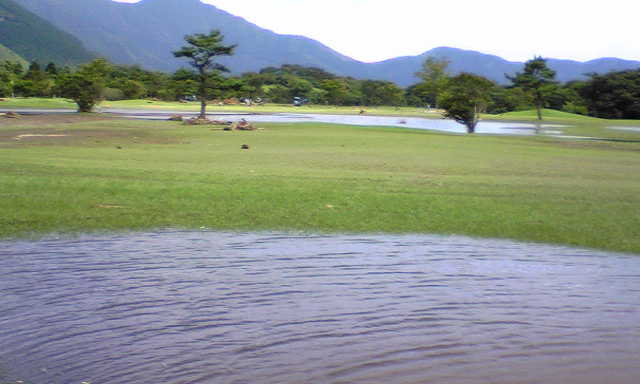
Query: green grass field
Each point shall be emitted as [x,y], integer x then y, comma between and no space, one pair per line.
[547,115]
[52,103]
[37,102]
[137,175]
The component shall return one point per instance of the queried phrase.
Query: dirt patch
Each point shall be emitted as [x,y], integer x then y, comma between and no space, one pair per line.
[48,119]
[85,137]
[61,129]
[604,144]
[110,206]
[44,136]
[28,135]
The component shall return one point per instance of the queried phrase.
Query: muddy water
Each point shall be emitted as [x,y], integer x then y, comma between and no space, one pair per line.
[203,307]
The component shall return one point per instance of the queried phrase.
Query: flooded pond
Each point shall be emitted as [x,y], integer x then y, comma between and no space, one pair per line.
[628,129]
[434,124]
[484,127]
[209,307]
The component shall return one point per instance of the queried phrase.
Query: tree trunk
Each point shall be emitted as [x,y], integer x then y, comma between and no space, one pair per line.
[203,108]
[203,92]
[471,125]
[471,128]
[539,110]
[539,107]
[84,106]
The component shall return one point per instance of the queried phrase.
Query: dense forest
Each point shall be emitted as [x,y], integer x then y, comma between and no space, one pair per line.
[612,95]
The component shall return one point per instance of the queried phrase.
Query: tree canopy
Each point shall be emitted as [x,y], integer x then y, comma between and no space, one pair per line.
[466,96]
[611,95]
[615,95]
[201,50]
[537,79]
[434,77]
[86,85]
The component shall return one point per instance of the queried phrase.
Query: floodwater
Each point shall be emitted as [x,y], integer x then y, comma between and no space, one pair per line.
[207,307]
[629,129]
[442,125]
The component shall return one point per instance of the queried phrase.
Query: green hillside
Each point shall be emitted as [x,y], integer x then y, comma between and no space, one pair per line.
[35,39]
[7,54]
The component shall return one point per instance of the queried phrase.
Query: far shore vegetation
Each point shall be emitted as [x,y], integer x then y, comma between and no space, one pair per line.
[613,95]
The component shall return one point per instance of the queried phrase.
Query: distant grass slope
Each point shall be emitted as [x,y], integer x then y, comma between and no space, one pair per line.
[547,114]
[35,39]
[8,55]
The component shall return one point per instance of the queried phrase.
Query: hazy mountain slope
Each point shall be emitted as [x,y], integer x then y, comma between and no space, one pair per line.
[404,68]
[492,67]
[9,55]
[36,39]
[145,34]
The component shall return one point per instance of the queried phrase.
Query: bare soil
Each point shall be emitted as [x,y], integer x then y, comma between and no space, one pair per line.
[47,119]
[58,129]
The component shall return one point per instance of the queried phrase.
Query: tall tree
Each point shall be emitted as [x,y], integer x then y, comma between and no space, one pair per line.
[10,72]
[51,69]
[337,91]
[86,85]
[377,92]
[466,96]
[615,95]
[537,79]
[435,76]
[201,51]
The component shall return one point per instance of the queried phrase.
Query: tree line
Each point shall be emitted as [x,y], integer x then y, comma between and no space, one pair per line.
[463,96]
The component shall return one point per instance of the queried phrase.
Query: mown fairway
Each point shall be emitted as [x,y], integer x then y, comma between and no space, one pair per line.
[116,174]
[193,107]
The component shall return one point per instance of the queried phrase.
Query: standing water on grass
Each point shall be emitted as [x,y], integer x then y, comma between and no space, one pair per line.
[432,124]
[207,307]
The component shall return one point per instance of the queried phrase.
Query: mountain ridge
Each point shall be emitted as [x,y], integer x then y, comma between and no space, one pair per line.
[35,39]
[146,33]
[8,55]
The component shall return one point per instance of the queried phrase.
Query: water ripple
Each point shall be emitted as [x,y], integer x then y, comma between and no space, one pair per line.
[175,307]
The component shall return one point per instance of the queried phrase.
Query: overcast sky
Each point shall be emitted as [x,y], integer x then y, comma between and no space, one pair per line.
[374,30]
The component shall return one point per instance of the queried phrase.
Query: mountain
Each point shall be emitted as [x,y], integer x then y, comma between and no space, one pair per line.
[493,67]
[7,54]
[35,39]
[404,68]
[146,33]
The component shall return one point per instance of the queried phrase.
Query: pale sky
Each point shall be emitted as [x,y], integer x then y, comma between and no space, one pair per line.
[517,30]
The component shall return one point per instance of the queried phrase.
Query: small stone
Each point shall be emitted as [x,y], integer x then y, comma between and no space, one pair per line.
[244,125]
[11,115]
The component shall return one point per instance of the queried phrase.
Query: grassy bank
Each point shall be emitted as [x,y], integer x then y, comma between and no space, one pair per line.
[122,174]
[195,107]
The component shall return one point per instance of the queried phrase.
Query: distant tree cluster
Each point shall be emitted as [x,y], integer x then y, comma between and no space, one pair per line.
[463,96]
[615,95]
